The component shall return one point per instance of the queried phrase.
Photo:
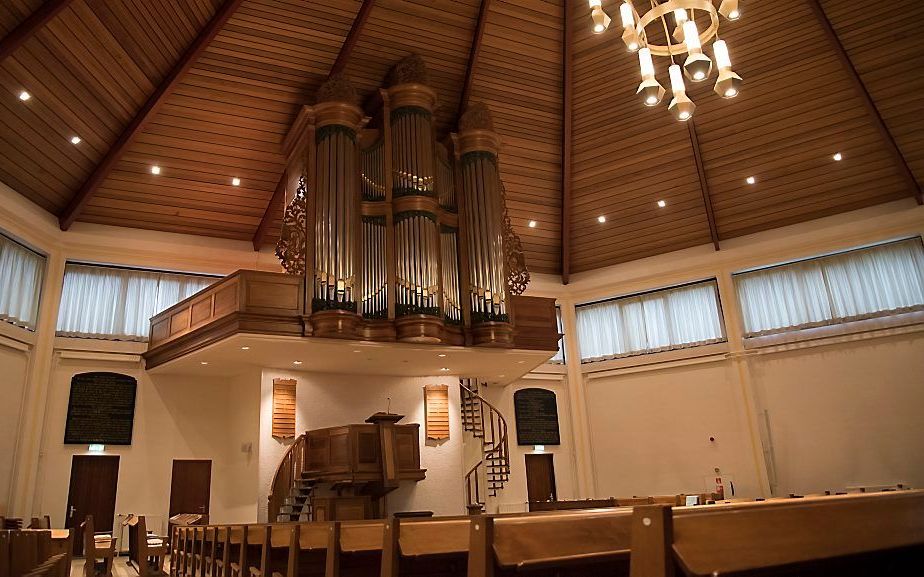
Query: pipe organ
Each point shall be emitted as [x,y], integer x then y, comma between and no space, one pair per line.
[399,236]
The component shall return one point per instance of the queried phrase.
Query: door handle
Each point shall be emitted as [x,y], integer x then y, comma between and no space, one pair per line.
[70,511]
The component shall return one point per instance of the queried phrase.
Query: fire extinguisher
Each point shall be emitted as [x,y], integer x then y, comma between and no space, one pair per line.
[719,486]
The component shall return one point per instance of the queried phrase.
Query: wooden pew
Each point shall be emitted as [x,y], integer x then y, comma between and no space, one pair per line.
[354,548]
[594,542]
[872,534]
[308,544]
[426,547]
[95,550]
[150,551]
[40,522]
[231,550]
[4,552]
[54,566]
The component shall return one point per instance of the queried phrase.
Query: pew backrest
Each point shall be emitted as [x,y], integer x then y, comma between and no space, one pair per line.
[548,540]
[743,537]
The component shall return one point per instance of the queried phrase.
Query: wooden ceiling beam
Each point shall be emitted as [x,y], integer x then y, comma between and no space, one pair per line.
[346,49]
[147,112]
[275,203]
[900,163]
[703,183]
[567,91]
[32,24]
[477,38]
[340,64]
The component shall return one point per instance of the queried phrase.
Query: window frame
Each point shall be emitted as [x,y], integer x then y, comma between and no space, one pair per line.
[41,285]
[835,325]
[671,350]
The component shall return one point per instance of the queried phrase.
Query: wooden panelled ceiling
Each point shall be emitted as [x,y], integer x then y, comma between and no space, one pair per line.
[92,67]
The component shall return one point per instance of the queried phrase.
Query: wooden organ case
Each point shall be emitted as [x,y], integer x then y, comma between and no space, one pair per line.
[387,235]
[403,238]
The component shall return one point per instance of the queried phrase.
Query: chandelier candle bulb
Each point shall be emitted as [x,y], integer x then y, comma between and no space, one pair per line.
[629,34]
[680,16]
[651,91]
[681,106]
[627,15]
[729,9]
[729,84]
[697,66]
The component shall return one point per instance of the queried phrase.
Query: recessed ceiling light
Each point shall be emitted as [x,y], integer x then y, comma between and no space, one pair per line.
[203,362]
[236,181]
[75,140]
[245,348]
[357,351]
[444,369]
[532,224]
[24,96]
[750,180]
[601,218]
[662,204]
[296,362]
[838,156]
[441,355]
[155,169]
[520,362]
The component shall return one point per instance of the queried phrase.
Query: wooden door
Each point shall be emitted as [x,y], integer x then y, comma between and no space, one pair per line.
[190,487]
[94,479]
[540,477]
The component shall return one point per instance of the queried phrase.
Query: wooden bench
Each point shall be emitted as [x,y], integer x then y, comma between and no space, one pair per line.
[578,543]
[872,534]
[97,548]
[150,550]
[437,546]
[54,566]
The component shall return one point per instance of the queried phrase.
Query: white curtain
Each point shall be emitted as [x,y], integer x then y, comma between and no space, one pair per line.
[117,304]
[559,358]
[662,320]
[21,274]
[863,283]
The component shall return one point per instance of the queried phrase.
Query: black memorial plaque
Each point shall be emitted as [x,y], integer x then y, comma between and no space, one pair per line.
[537,417]
[101,409]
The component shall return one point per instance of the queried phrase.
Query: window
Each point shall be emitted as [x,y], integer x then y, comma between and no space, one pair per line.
[858,284]
[662,320]
[21,274]
[117,303]
[559,358]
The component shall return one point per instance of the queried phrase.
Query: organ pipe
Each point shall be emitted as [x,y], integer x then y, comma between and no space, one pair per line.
[336,205]
[440,212]
[484,214]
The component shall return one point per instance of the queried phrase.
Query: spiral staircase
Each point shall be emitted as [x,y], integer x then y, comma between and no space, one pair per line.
[487,426]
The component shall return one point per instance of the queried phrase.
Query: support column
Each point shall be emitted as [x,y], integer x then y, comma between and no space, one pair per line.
[584,467]
[748,397]
[35,399]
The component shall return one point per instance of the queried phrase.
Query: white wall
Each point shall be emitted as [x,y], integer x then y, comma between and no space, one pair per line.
[174,419]
[650,431]
[13,366]
[329,400]
[513,497]
[843,410]
[850,414]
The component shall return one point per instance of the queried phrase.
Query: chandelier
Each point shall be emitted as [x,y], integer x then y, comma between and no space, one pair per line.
[687,17]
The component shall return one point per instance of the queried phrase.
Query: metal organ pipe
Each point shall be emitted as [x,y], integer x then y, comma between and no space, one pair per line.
[337,212]
[484,217]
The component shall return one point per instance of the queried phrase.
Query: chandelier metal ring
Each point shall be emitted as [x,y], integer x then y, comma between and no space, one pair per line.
[667,7]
